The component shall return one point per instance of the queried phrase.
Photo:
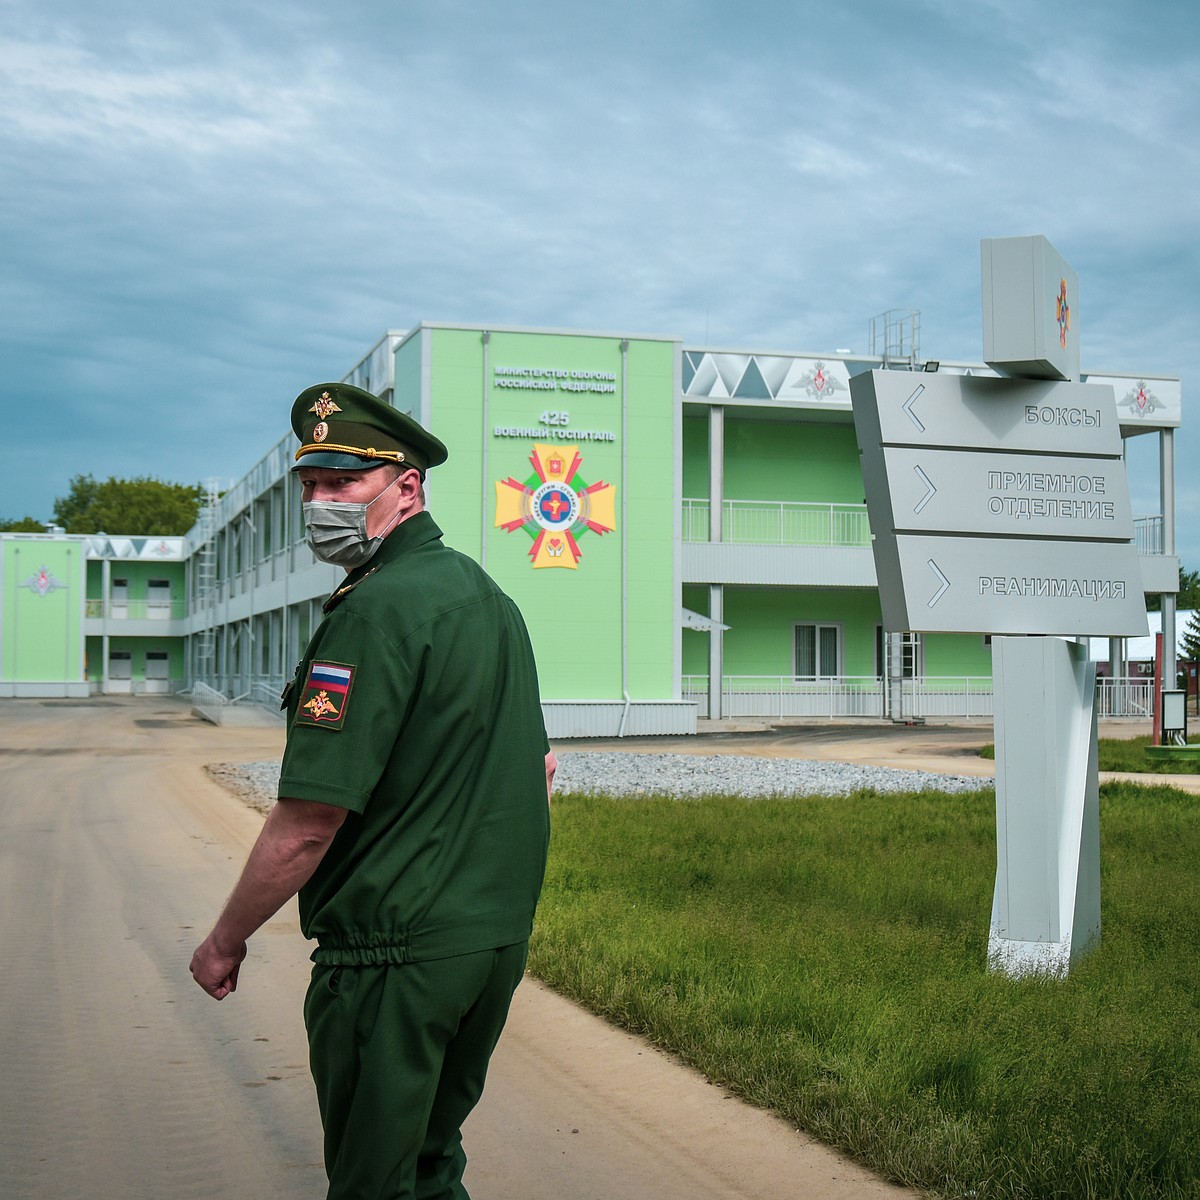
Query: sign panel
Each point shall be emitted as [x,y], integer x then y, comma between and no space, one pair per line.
[997,506]
[930,584]
[907,408]
[1014,495]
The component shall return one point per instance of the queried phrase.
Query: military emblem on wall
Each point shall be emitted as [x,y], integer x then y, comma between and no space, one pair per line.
[818,383]
[555,506]
[1140,401]
[43,582]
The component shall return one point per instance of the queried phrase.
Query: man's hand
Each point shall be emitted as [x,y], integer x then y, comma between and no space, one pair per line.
[216,971]
[293,841]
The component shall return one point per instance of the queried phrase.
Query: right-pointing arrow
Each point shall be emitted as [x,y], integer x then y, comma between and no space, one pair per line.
[945,583]
[930,491]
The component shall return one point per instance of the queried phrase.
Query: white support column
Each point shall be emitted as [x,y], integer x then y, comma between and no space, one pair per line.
[1046,904]
[716,649]
[716,533]
[895,675]
[1166,456]
[716,473]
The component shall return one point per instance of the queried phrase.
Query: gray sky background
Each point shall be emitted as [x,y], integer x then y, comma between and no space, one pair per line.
[208,207]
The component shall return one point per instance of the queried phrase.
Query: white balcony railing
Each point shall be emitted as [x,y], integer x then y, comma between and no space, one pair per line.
[136,610]
[1148,535]
[792,523]
[780,523]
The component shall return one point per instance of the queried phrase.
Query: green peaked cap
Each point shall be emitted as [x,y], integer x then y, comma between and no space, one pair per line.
[346,428]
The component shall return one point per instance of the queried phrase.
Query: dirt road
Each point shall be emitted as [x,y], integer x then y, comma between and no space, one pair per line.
[122,1079]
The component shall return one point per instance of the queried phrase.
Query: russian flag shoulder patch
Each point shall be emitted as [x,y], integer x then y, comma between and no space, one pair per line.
[326,695]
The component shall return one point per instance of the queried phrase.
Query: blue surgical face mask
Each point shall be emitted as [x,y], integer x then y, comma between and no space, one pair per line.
[336,530]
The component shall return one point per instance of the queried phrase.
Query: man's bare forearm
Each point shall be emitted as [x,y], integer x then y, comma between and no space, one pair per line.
[293,841]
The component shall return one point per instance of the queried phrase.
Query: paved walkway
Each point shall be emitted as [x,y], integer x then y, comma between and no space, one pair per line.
[123,1079]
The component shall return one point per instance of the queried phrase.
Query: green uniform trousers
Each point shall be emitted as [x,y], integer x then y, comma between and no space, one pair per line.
[399,1055]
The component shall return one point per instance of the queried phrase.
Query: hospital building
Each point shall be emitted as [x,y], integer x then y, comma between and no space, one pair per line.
[682,526]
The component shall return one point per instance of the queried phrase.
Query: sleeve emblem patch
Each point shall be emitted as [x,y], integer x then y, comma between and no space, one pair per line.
[326,695]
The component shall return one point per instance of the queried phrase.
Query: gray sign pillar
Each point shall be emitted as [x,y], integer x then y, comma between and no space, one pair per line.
[1046,904]
[1001,506]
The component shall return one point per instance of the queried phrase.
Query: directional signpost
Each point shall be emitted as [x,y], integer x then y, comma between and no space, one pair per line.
[1001,506]
[997,505]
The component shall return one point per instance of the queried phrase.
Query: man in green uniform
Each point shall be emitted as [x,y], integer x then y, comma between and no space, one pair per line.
[412,816]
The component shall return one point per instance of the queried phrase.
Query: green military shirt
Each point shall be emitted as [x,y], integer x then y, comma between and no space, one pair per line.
[416,707]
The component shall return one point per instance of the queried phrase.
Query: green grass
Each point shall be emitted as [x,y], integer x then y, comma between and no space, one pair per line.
[825,958]
[1129,755]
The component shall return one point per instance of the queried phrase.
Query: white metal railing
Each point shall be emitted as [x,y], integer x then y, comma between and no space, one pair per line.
[1128,696]
[780,523]
[786,696]
[266,691]
[958,696]
[208,701]
[241,688]
[137,610]
[1148,535]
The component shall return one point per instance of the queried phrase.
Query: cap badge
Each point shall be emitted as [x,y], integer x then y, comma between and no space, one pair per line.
[323,406]
[320,431]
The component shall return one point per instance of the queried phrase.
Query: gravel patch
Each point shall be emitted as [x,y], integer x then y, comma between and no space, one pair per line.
[684,776]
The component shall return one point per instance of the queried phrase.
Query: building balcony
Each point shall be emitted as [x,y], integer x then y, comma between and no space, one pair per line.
[778,543]
[781,542]
[779,523]
[134,618]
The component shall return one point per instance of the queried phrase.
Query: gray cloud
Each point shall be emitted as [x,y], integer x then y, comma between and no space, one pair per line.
[207,209]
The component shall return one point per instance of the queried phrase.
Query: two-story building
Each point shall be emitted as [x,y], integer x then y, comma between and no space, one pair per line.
[684,529]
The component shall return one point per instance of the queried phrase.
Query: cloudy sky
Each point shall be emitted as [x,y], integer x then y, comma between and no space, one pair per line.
[208,207]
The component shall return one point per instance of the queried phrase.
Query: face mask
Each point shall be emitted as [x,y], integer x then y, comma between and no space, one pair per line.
[337,531]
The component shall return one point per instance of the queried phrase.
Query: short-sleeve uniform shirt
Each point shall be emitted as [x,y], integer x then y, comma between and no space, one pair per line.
[416,707]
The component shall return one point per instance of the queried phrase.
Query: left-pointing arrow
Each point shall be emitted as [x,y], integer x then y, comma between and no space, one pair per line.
[908,408]
[944,583]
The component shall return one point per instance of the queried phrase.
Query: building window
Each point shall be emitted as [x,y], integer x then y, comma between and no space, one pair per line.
[818,651]
[158,664]
[120,664]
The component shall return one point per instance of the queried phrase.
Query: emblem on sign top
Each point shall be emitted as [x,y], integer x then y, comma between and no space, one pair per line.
[1062,313]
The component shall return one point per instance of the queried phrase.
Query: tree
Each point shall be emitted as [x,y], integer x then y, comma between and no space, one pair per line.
[1189,643]
[22,525]
[128,506]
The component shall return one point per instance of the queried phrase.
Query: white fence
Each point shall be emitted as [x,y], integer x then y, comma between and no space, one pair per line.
[1129,697]
[962,696]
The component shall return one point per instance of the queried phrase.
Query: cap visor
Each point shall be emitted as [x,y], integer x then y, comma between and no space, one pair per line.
[337,461]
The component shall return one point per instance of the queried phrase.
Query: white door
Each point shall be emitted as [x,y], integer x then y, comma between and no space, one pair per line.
[120,672]
[158,599]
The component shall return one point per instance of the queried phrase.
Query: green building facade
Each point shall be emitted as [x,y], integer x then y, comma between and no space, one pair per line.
[683,528]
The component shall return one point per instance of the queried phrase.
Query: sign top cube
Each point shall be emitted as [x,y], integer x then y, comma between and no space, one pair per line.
[1030,309]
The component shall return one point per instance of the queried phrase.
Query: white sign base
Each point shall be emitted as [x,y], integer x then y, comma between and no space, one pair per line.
[1046,904]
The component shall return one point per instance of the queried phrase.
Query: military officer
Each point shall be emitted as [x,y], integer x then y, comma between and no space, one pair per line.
[412,815]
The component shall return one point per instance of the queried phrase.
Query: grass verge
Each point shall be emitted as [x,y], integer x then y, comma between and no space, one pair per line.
[825,958]
[1128,755]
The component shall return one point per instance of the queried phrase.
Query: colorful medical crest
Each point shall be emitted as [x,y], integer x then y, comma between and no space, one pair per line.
[1062,313]
[555,506]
